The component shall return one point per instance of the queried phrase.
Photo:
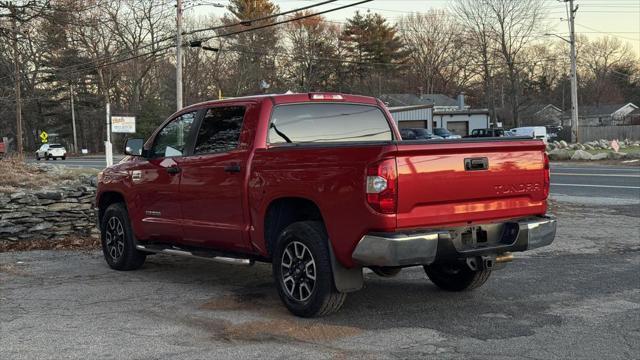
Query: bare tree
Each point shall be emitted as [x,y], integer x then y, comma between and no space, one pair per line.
[598,61]
[436,50]
[513,26]
[475,18]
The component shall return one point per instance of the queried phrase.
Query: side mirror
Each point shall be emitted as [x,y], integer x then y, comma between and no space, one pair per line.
[134,147]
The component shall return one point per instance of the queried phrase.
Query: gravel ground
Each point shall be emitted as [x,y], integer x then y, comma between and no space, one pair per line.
[579,298]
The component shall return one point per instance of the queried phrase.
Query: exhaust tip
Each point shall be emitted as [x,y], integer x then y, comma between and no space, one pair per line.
[504,258]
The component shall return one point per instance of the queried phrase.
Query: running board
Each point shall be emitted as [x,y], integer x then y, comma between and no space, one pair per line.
[220,259]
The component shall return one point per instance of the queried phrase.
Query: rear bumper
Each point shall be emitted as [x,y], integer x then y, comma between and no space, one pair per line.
[426,247]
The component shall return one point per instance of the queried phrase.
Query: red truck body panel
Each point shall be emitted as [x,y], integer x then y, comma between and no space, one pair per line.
[207,206]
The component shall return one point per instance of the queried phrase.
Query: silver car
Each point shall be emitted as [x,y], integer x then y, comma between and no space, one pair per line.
[51,151]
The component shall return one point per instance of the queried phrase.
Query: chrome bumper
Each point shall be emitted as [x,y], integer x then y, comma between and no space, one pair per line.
[425,247]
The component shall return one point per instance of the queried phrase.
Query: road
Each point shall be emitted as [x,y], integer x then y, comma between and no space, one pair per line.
[90,161]
[615,184]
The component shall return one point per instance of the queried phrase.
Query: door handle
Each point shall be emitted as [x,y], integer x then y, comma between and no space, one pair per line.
[172,170]
[471,164]
[232,168]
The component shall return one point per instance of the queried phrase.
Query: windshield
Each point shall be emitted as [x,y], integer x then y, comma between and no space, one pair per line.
[441,131]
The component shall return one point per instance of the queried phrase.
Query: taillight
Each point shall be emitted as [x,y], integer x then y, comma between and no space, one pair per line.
[547,176]
[382,186]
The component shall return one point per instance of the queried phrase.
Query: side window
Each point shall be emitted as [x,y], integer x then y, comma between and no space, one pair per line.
[172,139]
[220,130]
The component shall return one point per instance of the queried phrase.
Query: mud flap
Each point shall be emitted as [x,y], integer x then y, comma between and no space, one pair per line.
[345,280]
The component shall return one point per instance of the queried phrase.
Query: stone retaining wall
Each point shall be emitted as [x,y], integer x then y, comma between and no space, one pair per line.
[49,213]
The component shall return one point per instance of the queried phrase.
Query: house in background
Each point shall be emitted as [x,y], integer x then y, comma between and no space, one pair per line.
[602,115]
[541,115]
[434,111]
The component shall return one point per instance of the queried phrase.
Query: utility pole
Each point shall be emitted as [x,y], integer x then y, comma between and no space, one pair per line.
[16,61]
[73,121]
[179,55]
[108,150]
[575,128]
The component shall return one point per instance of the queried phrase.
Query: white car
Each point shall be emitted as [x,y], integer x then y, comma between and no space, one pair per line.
[536,132]
[51,151]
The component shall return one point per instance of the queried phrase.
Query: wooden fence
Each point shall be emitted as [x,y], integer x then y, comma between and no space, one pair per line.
[591,133]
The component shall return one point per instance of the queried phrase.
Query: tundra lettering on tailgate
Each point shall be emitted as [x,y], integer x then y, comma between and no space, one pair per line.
[517,188]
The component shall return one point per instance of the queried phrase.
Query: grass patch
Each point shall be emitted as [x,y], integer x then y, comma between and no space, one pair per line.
[16,175]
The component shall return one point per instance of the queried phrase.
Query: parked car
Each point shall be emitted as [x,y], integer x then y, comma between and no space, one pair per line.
[491,132]
[51,151]
[445,134]
[318,185]
[536,132]
[417,134]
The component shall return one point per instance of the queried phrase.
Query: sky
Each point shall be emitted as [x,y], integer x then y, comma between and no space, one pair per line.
[595,18]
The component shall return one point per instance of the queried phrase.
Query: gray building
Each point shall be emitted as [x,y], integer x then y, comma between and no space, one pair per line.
[431,111]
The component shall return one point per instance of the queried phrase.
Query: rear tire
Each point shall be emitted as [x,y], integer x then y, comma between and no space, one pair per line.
[118,242]
[456,276]
[64,158]
[302,270]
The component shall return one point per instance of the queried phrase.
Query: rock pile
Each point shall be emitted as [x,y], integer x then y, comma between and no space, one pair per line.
[560,150]
[54,212]
[592,145]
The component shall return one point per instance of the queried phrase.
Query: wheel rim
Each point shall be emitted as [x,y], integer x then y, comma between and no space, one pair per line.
[114,238]
[298,269]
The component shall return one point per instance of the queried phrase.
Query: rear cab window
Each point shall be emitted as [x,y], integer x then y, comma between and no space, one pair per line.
[328,123]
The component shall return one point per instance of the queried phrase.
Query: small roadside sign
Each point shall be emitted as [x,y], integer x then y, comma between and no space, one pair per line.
[44,137]
[123,124]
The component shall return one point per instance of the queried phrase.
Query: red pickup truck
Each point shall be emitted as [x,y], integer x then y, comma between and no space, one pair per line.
[321,186]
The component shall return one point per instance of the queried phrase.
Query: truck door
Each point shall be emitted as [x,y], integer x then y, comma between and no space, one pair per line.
[157,181]
[212,184]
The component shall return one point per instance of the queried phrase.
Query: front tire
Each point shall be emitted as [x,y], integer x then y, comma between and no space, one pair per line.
[302,271]
[456,276]
[37,157]
[118,245]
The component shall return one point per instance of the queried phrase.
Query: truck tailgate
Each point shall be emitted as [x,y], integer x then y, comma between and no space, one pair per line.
[436,188]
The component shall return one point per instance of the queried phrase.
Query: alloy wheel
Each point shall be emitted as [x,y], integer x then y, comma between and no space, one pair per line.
[298,269]
[114,236]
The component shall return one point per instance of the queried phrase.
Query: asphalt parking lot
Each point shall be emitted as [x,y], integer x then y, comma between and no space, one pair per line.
[579,298]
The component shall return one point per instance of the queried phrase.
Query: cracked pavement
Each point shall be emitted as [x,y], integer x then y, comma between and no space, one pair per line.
[579,298]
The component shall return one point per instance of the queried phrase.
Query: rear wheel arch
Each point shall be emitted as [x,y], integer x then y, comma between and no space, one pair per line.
[284,211]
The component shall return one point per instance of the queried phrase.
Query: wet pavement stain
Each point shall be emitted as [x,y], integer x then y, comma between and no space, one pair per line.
[298,330]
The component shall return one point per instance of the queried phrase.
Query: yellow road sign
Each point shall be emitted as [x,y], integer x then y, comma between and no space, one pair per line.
[44,136]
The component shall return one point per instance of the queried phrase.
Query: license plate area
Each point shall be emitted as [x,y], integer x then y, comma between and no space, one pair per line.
[483,236]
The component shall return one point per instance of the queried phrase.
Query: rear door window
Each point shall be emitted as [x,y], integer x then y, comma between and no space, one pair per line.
[328,123]
[220,130]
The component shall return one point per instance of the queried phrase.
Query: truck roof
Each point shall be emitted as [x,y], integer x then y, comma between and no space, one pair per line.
[289,98]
